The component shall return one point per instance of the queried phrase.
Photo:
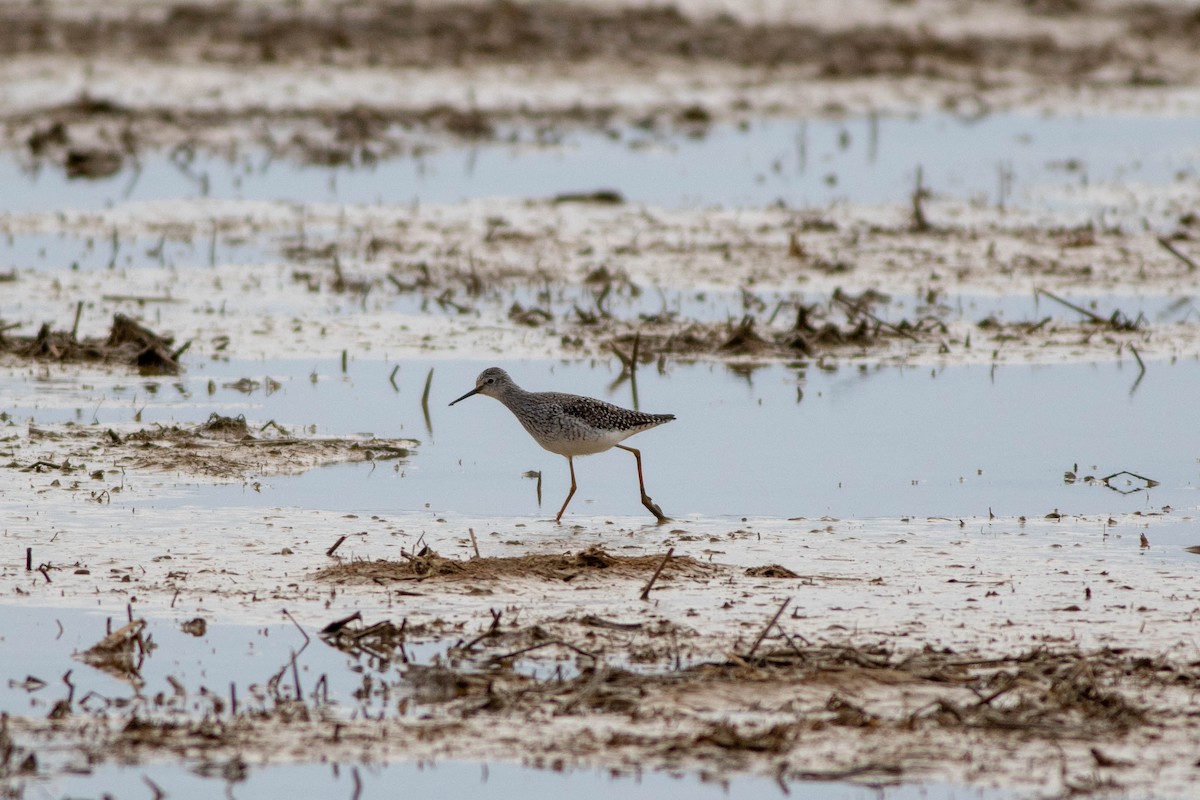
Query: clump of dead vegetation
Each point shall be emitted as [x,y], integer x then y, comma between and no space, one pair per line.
[221,447]
[426,564]
[128,343]
[642,670]
[843,323]
[1045,694]
[656,693]
[121,653]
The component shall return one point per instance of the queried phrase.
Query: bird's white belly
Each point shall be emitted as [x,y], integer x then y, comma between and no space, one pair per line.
[582,446]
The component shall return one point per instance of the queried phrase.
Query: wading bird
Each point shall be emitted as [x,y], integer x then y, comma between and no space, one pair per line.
[571,425]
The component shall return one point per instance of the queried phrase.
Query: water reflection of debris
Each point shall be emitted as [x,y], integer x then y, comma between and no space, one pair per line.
[121,653]
[1132,483]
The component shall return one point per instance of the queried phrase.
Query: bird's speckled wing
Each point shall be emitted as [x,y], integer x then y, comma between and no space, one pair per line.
[605,416]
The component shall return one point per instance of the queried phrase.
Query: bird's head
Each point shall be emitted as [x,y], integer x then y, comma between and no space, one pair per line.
[492,382]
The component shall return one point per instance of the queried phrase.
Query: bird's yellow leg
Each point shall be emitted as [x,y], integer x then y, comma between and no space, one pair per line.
[646,501]
[570,494]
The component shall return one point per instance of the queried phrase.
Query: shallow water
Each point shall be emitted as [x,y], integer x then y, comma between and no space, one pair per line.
[456,779]
[773,442]
[776,441]
[41,642]
[48,252]
[1011,159]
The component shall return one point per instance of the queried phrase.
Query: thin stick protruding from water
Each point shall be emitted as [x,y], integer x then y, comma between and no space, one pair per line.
[667,557]
[474,541]
[1138,356]
[78,314]
[425,401]
[767,629]
[1170,248]
[1094,317]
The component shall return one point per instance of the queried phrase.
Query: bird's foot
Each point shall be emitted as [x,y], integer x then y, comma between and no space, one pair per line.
[654,509]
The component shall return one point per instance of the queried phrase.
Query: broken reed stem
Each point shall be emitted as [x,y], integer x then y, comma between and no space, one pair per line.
[296,678]
[474,542]
[303,633]
[392,377]
[1138,356]
[491,631]
[1170,248]
[858,309]
[550,643]
[158,793]
[181,350]
[78,314]
[425,394]
[667,557]
[919,221]
[344,358]
[1094,317]
[767,629]
[29,559]
[336,545]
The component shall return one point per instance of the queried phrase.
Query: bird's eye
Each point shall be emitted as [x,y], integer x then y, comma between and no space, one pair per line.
[491,380]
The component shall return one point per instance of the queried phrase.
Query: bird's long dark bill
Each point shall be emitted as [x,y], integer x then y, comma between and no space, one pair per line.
[465,396]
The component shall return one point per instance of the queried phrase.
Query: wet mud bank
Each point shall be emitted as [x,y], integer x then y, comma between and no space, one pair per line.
[253,246]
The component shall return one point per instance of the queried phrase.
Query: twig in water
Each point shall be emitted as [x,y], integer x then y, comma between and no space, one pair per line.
[491,631]
[859,309]
[646,591]
[532,647]
[767,629]
[1191,265]
[181,350]
[920,223]
[425,400]
[344,358]
[334,628]
[288,614]
[1138,356]
[850,772]
[1150,482]
[78,313]
[336,545]
[296,678]
[321,690]
[273,424]
[1089,314]
[159,794]
[29,559]
[538,476]
[474,542]
[392,377]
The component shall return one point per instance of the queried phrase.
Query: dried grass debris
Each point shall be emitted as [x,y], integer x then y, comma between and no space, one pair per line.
[128,343]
